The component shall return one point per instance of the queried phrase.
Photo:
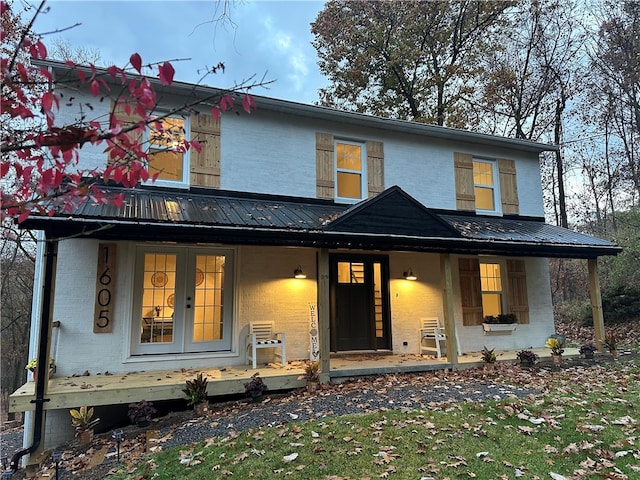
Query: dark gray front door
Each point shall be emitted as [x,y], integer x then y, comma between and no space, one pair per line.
[359,303]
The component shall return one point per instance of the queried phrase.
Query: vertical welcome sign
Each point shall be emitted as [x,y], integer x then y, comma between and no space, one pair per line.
[314,352]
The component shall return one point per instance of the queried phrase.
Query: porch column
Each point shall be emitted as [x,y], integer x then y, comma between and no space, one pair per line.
[324,310]
[596,303]
[447,307]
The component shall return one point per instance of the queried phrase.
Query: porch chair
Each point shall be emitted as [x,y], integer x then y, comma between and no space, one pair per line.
[432,332]
[262,335]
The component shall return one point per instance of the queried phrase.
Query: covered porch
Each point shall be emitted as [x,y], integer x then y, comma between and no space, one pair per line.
[123,388]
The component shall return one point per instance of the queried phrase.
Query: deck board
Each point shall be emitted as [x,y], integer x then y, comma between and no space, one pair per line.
[94,390]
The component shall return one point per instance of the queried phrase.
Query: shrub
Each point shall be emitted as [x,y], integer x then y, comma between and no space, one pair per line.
[619,304]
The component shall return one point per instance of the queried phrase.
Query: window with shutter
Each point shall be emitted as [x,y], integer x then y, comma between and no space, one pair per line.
[347,170]
[488,288]
[484,185]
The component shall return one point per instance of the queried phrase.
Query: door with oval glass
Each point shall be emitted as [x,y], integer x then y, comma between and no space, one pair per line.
[360,317]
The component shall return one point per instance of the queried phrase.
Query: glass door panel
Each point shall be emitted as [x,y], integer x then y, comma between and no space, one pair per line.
[158,294]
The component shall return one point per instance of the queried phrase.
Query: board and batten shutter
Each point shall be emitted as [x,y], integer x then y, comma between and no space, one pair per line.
[517,299]
[325,183]
[470,291]
[205,164]
[508,186]
[119,112]
[465,191]
[375,167]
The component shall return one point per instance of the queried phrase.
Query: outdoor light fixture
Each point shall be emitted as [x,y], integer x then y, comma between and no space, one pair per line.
[298,273]
[117,435]
[409,275]
[56,456]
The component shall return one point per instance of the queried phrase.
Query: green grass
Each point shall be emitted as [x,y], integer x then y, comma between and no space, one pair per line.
[588,418]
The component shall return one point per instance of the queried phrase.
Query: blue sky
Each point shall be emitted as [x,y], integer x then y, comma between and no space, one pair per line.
[271,38]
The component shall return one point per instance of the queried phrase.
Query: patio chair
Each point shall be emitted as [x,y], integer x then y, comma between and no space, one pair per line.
[431,334]
[262,335]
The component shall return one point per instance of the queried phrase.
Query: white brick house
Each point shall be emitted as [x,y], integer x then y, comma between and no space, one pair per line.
[354,200]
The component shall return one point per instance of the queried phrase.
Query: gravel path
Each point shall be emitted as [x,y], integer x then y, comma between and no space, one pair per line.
[331,403]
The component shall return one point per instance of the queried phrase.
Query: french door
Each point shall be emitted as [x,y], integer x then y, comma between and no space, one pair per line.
[183,300]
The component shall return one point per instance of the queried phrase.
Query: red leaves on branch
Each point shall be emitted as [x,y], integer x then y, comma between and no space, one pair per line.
[136,62]
[166,72]
[40,169]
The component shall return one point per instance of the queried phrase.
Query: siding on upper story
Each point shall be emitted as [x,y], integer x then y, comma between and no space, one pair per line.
[273,152]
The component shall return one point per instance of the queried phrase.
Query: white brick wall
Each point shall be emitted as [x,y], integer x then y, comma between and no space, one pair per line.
[270,152]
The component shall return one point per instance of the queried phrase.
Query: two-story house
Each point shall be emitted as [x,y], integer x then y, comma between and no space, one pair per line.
[388,221]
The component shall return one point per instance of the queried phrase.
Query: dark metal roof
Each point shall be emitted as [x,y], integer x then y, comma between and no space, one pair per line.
[498,229]
[393,220]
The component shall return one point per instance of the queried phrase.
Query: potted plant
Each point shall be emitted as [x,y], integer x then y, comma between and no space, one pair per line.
[489,358]
[587,350]
[32,366]
[255,388]
[557,349]
[311,375]
[83,421]
[140,413]
[611,342]
[527,358]
[196,392]
[504,322]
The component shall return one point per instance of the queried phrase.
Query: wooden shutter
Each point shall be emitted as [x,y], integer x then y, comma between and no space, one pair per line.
[470,291]
[325,183]
[205,165]
[465,193]
[375,167]
[517,299]
[508,186]
[119,113]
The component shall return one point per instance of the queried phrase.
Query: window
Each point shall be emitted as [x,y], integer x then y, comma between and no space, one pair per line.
[484,185]
[167,157]
[350,171]
[183,300]
[491,285]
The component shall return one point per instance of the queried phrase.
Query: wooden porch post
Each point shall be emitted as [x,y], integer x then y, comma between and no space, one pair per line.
[596,303]
[447,304]
[324,314]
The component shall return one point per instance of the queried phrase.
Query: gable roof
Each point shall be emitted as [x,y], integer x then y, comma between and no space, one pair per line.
[391,221]
[392,212]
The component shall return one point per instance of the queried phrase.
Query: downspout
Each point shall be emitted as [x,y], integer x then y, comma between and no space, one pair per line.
[51,250]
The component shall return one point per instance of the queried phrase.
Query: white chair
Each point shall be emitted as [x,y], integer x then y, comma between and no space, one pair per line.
[431,334]
[262,335]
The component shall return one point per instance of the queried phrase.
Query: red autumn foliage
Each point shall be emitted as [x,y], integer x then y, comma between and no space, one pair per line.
[40,169]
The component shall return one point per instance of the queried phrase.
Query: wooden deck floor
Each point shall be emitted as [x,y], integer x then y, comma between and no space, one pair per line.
[94,390]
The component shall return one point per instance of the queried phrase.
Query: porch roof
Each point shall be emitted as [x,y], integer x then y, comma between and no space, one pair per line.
[392,220]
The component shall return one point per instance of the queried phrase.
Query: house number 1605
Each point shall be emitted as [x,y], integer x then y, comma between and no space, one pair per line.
[105,288]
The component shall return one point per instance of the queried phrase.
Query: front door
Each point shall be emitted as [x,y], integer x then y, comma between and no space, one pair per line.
[359,303]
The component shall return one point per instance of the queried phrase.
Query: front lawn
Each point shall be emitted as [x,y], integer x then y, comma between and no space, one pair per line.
[583,425]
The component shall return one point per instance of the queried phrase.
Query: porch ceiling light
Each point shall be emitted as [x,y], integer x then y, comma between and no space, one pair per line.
[298,273]
[409,275]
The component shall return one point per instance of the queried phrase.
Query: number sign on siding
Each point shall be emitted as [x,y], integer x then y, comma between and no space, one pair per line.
[105,288]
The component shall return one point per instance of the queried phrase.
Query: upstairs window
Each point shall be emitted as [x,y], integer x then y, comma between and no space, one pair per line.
[350,171]
[484,182]
[167,156]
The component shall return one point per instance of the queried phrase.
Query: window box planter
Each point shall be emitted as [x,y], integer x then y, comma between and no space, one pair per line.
[503,328]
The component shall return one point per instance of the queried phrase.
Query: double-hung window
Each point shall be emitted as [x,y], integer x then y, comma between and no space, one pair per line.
[351,175]
[491,285]
[167,157]
[183,300]
[487,196]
